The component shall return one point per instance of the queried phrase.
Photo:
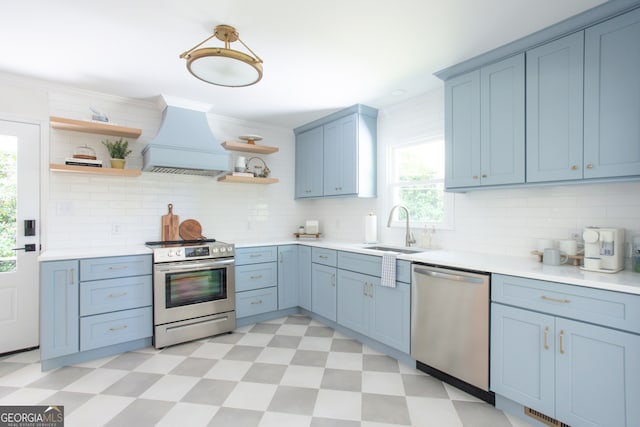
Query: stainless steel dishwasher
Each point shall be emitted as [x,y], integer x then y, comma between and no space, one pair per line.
[450,326]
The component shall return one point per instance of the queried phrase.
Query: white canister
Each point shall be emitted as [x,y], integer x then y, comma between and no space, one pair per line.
[241,164]
[311,226]
[370,228]
[568,246]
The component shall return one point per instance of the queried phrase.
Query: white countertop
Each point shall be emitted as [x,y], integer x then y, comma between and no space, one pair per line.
[529,267]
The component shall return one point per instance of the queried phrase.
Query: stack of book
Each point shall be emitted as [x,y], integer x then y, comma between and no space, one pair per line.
[247,174]
[83,162]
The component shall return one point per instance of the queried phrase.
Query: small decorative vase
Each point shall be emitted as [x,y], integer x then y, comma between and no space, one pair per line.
[118,163]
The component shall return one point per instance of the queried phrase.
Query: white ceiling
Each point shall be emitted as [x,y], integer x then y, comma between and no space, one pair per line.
[319,56]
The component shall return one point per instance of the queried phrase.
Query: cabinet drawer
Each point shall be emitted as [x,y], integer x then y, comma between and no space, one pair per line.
[607,308]
[103,296]
[250,303]
[112,267]
[256,255]
[113,328]
[324,256]
[372,265]
[256,276]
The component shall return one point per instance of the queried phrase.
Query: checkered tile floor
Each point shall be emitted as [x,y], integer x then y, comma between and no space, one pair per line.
[287,372]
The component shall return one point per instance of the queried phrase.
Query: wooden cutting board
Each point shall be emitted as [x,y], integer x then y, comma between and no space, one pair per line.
[190,229]
[170,225]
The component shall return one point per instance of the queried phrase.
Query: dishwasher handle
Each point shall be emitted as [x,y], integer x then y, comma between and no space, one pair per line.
[449,276]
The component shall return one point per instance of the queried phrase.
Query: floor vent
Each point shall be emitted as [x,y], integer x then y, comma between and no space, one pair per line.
[544,419]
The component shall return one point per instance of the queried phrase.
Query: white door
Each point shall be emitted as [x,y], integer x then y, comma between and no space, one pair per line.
[19,201]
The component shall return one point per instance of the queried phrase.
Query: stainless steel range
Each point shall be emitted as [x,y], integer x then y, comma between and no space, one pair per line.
[193,290]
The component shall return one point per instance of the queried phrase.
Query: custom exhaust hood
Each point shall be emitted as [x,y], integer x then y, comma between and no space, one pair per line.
[185,144]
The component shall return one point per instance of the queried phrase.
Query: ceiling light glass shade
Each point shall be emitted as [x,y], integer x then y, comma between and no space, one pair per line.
[224,66]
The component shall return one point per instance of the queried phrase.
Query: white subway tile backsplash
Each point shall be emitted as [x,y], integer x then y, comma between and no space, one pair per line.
[82,210]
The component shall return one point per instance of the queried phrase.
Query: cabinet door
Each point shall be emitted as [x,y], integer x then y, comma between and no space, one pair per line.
[522,357]
[390,319]
[462,130]
[598,375]
[309,161]
[287,276]
[502,122]
[554,110]
[341,156]
[612,97]
[304,265]
[353,300]
[323,291]
[59,309]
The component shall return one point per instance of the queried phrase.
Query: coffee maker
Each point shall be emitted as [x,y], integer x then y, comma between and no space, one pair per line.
[603,249]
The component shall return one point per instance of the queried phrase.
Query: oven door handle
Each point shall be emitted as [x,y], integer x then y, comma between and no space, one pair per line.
[187,265]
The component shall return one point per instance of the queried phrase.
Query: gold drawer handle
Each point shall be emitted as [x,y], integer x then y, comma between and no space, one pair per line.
[563,301]
[323,256]
[257,302]
[546,335]
[118,328]
[259,276]
[561,338]
[118,267]
[121,294]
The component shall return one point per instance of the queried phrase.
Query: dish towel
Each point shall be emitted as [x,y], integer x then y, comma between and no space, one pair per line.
[388,278]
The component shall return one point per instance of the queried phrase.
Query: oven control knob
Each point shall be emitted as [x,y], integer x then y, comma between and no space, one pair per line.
[170,253]
[214,250]
[230,249]
[178,252]
[223,249]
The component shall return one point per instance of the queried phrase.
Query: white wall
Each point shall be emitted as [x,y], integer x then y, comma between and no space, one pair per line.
[92,210]
[89,210]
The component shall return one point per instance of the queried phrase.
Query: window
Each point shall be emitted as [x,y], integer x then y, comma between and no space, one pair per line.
[417,181]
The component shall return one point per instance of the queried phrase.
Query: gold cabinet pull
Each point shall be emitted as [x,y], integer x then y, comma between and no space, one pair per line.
[561,338]
[563,301]
[475,177]
[118,328]
[259,276]
[73,275]
[484,175]
[256,302]
[589,165]
[574,167]
[121,294]
[546,336]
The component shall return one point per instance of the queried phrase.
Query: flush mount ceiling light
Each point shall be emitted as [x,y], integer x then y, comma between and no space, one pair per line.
[223,66]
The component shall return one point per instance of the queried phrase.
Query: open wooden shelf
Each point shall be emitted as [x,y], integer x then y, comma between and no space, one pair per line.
[247,179]
[93,127]
[96,171]
[249,148]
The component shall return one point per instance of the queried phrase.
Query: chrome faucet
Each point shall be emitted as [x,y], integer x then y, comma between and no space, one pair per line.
[409,239]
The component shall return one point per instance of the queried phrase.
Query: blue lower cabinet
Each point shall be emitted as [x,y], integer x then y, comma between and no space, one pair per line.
[288,276]
[380,312]
[114,328]
[523,357]
[353,301]
[258,301]
[323,290]
[597,375]
[578,373]
[390,317]
[304,265]
[256,276]
[59,308]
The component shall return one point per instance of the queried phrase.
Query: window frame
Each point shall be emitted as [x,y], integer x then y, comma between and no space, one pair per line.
[392,185]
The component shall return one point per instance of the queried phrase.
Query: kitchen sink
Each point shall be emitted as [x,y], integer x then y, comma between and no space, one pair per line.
[404,250]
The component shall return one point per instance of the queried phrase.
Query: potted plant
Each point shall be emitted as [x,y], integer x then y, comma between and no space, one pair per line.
[118,150]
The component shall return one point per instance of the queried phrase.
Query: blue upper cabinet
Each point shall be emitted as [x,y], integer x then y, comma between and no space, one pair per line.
[502,122]
[578,121]
[462,130]
[484,126]
[336,155]
[612,98]
[309,163]
[554,82]
[341,157]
